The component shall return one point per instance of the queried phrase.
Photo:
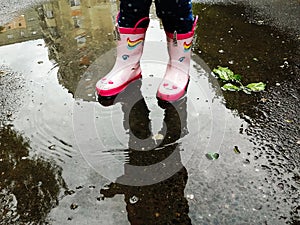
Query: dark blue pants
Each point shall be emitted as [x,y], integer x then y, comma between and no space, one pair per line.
[175,14]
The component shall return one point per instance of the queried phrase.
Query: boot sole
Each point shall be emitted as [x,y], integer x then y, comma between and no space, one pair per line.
[173,98]
[117,90]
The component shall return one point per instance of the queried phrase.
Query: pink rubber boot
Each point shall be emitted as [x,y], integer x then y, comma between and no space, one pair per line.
[176,77]
[127,66]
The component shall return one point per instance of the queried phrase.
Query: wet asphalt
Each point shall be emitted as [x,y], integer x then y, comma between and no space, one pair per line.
[54,170]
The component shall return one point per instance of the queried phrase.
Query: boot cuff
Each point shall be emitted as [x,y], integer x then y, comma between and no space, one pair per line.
[135,29]
[127,30]
[186,35]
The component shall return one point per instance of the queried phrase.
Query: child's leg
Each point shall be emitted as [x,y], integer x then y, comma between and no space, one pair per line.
[131,11]
[176,15]
[179,25]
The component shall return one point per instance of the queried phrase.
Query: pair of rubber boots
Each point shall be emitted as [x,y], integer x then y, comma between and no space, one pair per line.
[127,66]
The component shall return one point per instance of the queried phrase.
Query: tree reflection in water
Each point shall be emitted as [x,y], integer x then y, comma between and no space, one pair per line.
[29,187]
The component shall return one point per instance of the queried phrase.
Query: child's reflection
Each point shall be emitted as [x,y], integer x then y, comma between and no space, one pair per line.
[160,202]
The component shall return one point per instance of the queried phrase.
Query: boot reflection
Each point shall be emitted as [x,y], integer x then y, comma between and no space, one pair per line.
[162,200]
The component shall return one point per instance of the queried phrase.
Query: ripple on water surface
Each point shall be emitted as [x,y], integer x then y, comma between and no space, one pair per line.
[44,115]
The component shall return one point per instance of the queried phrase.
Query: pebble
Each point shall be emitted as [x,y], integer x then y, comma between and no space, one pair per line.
[133,199]
[73,206]
[190,196]
[51,147]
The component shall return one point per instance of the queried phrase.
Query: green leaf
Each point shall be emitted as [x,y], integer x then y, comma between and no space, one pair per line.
[223,72]
[226,74]
[236,150]
[256,86]
[212,155]
[230,87]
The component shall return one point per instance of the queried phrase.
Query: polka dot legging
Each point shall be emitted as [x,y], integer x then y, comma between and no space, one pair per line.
[175,14]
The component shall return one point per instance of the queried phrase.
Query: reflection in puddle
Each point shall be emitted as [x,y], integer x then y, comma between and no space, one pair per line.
[29,187]
[107,128]
[76,34]
[23,28]
[62,48]
[168,178]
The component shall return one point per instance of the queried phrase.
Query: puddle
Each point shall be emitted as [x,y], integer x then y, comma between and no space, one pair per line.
[24,178]
[87,150]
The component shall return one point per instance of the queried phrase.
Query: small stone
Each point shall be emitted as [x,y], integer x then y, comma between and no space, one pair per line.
[246,161]
[133,199]
[260,22]
[263,100]
[73,206]
[2,73]
[190,196]
[69,192]
[51,147]
[100,198]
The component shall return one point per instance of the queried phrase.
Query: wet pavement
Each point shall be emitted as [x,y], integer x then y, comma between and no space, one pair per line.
[67,157]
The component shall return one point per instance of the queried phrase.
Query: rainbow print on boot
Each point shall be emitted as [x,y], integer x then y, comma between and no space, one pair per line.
[133,44]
